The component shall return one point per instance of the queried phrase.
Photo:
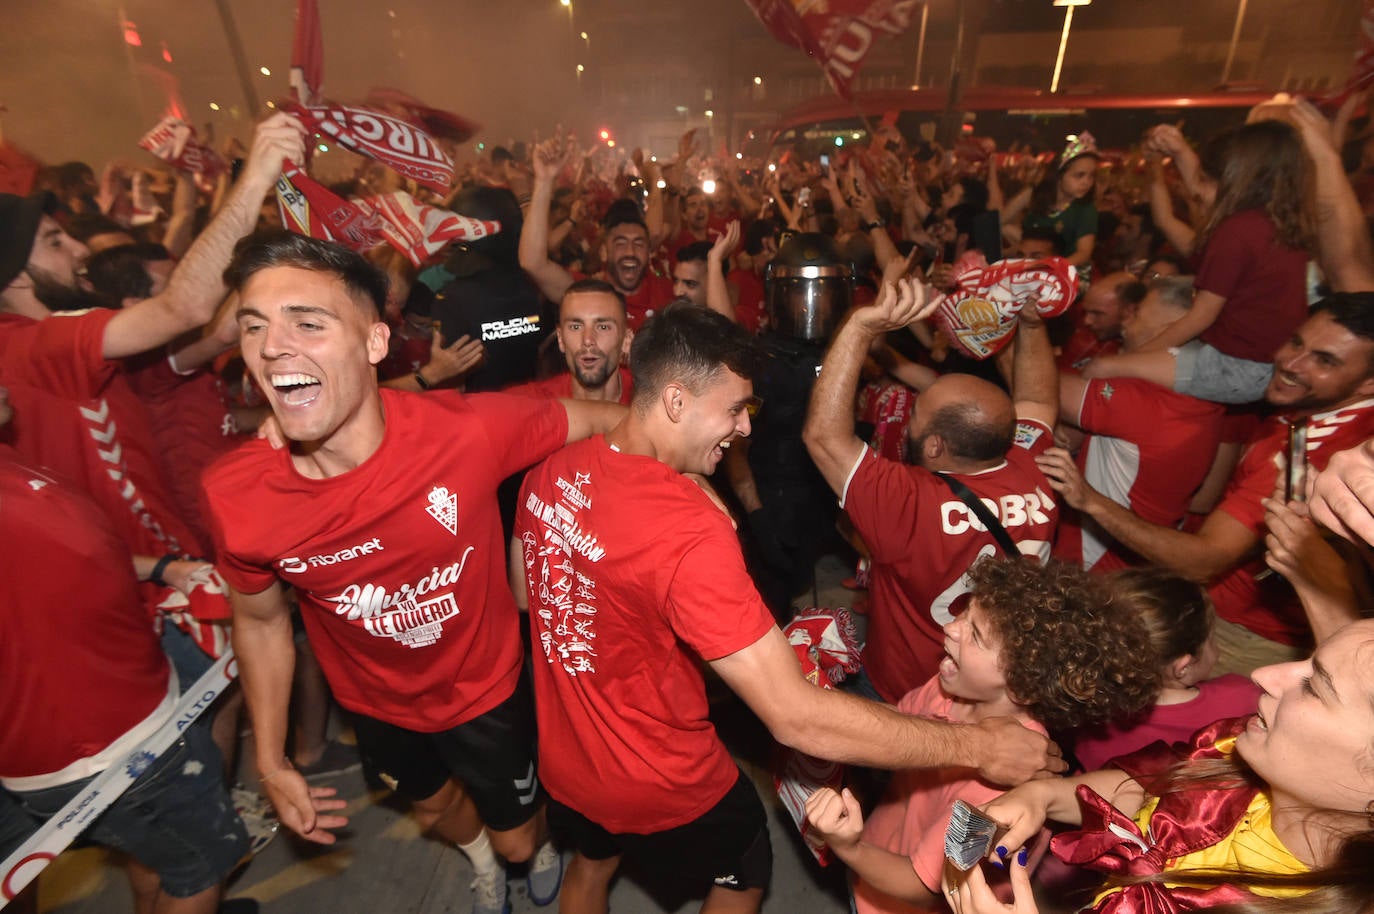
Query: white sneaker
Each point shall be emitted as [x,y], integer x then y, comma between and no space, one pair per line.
[489,893]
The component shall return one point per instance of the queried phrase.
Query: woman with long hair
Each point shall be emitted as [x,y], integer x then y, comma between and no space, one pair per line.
[1251,272]
[1266,813]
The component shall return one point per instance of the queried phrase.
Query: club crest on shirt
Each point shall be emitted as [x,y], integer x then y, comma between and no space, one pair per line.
[443,507]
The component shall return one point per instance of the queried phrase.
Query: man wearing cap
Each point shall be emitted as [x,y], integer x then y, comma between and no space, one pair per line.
[77,414]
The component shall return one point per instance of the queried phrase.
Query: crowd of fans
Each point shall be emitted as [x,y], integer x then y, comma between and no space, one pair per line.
[1124,533]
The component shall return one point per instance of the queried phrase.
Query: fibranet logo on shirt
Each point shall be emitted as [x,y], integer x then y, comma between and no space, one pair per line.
[295,565]
[515,326]
[413,614]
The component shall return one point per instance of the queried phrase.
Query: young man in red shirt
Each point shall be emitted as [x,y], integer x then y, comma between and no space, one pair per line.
[382,515]
[634,577]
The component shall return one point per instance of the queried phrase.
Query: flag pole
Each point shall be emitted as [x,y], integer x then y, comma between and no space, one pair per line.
[231,34]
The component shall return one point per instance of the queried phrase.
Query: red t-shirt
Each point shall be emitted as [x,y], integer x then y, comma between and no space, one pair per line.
[1082,348]
[1269,607]
[79,664]
[923,538]
[1264,284]
[1217,699]
[621,613]
[191,425]
[560,387]
[653,294]
[400,563]
[75,413]
[750,310]
[1148,449]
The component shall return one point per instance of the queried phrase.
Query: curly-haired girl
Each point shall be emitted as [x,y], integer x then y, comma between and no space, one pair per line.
[1042,644]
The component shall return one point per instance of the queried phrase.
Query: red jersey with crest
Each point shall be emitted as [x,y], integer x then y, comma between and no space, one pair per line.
[1269,607]
[1148,450]
[634,577]
[400,563]
[923,538]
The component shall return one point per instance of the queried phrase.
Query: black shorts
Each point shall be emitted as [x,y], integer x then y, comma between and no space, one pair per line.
[728,845]
[492,755]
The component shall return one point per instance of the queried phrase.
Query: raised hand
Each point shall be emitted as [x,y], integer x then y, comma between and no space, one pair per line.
[836,817]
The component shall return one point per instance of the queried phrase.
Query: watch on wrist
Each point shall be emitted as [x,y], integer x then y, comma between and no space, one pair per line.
[876,224]
[424,384]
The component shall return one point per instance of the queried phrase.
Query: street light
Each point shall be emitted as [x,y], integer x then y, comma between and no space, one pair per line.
[1064,38]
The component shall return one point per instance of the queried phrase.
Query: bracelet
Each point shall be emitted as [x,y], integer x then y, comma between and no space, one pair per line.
[420,379]
[156,574]
[870,226]
[286,766]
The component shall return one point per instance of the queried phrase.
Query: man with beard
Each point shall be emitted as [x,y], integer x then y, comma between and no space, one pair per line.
[921,535]
[77,413]
[1324,381]
[697,225]
[624,244]
[594,338]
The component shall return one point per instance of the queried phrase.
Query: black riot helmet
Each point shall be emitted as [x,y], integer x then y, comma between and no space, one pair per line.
[809,287]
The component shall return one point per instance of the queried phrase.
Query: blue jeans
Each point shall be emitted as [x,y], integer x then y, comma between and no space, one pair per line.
[176,819]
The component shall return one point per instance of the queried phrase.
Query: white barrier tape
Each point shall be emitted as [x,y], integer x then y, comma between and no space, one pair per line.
[53,837]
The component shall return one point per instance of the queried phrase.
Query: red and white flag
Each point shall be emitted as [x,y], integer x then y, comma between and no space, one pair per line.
[309,208]
[307,53]
[399,145]
[979,316]
[837,33]
[420,231]
[174,141]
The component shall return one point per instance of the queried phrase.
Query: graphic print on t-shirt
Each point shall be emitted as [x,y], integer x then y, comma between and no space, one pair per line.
[567,597]
[410,615]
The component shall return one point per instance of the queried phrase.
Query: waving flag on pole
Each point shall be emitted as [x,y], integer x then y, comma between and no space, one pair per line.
[837,33]
[307,53]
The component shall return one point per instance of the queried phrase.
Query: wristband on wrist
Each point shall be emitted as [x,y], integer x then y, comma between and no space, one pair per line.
[156,574]
[285,766]
[424,384]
